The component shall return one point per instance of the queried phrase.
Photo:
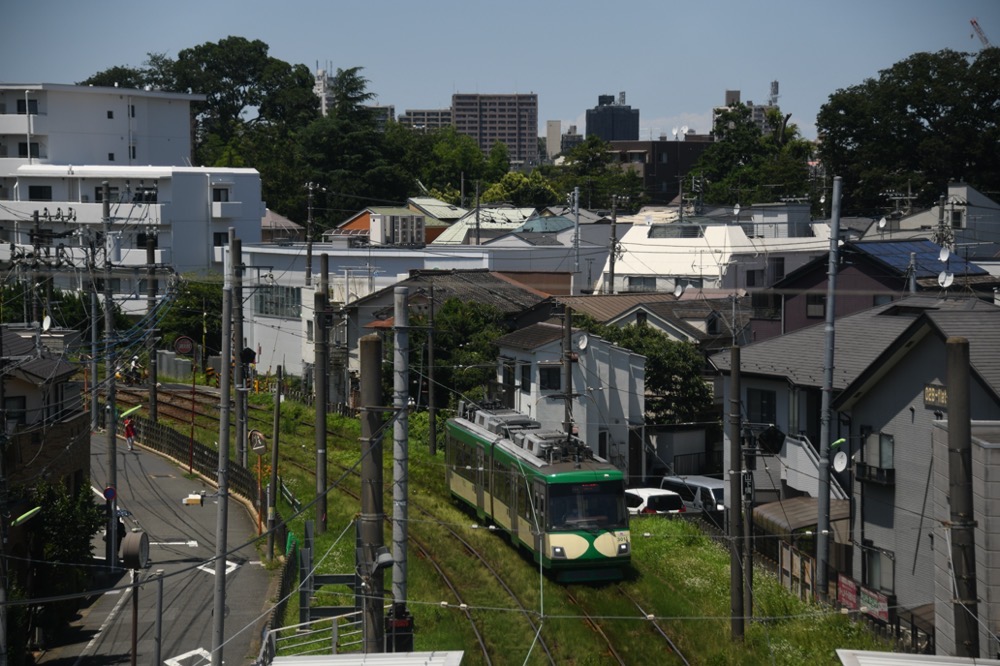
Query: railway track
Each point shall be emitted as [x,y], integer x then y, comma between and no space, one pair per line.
[655,626]
[596,626]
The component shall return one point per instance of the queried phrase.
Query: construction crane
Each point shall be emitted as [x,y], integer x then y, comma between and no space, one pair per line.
[982,35]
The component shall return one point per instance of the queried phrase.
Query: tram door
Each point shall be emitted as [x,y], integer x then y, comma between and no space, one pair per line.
[481,479]
[538,517]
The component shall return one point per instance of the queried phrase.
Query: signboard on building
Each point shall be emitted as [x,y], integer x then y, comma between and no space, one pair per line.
[935,396]
[874,603]
[847,592]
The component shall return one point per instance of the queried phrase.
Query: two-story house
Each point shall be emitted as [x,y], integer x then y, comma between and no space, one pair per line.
[606,393]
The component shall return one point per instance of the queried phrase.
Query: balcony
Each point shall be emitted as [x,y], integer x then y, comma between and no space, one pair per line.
[226,209]
[885,476]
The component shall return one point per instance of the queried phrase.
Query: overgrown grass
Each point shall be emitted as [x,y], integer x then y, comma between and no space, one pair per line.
[679,575]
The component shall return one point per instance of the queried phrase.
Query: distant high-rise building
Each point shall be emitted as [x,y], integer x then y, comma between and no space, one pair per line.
[570,140]
[511,119]
[323,88]
[758,112]
[612,121]
[383,115]
[553,144]
[426,119]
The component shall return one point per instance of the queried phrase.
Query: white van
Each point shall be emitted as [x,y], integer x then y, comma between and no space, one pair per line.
[699,493]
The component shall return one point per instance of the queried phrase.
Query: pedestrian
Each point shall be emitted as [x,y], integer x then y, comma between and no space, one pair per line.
[130,433]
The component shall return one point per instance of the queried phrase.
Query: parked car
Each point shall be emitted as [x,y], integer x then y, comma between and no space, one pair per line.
[653,501]
[699,493]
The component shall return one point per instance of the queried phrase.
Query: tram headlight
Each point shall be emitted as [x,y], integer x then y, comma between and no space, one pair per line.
[624,548]
[558,553]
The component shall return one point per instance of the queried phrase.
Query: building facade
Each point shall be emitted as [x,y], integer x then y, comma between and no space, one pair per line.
[613,121]
[511,119]
[426,119]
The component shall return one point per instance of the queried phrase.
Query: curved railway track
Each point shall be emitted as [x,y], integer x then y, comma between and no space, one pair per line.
[655,626]
[596,626]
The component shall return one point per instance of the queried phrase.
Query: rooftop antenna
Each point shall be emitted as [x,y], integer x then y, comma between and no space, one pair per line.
[673,130]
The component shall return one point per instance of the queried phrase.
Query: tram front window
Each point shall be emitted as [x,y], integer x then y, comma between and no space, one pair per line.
[576,506]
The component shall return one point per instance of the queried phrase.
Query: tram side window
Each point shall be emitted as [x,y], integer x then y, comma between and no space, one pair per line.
[465,460]
[523,509]
[501,482]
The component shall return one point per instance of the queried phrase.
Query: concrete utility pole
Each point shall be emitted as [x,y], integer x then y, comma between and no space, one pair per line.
[109,368]
[567,370]
[734,493]
[400,620]
[95,406]
[222,521]
[431,400]
[239,369]
[151,286]
[372,511]
[3,503]
[272,496]
[309,233]
[613,244]
[321,362]
[823,501]
[963,523]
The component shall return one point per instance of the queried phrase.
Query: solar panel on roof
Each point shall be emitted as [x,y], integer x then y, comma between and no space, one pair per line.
[896,254]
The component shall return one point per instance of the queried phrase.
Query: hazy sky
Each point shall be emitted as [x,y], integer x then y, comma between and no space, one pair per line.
[674,60]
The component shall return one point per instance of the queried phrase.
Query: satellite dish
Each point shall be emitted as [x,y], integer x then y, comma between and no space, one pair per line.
[945,279]
[46,323]
[582,342]
[944,254]
[736,209]
[673,131]
[881,223]
[678,291]
[684,129]
[840,461]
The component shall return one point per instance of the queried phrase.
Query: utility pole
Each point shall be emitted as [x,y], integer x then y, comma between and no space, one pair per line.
[3,503]
[95,406]
[272,496]
[239,369]
[150,306]
[222,520]
[431,400]
[963,519]
[823,501]
[320,365]
[567,369]
[309,233]
[613,245]
[576,234]
[372,511]
[109,368]
[477,213]
[35,304]
[734,492]
[400,620]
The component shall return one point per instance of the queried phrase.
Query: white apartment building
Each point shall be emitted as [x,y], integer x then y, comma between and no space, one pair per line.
[59,144]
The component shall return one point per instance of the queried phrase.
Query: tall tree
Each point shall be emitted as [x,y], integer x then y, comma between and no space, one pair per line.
[746,165]
[927,120]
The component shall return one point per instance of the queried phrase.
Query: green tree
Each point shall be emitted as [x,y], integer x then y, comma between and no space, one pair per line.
[465,353]
[195,311]
[676,389]
[593,167]
[531,191]
[745,165]
[921,123]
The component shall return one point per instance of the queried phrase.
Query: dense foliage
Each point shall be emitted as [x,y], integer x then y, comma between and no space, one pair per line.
[925,121]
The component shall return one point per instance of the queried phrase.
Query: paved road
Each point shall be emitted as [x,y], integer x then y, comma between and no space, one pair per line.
[182,543]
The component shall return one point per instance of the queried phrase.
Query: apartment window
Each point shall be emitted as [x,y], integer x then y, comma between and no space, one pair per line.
[755,278]
[111,114]
[525,378]
[309,330]
[144,194]
[111,157]
[131,110]
[549,377]
[99,194]
[879,567]
[641,283]
[220,194]
[132,151]
[22,149]
[39,192]
[776,267]
[880,449]
[16,408]
[956,219]
[816,305]
[762,406]
[31,107]
[220,239]
[278,301]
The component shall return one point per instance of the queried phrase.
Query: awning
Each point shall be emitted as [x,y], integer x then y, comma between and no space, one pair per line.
[787,516]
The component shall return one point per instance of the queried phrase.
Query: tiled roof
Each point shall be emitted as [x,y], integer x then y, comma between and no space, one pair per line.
[982,329]
[531,337]
[605,307]
[481,286]
[858,340]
